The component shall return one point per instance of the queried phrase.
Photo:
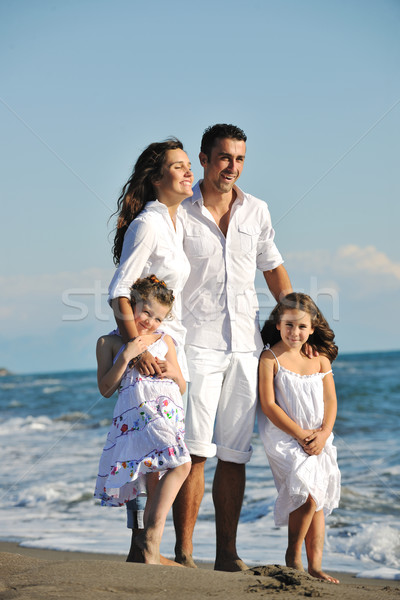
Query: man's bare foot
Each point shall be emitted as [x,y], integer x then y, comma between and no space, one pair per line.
[230,564]
[293,561]
[323,576]
[186,560]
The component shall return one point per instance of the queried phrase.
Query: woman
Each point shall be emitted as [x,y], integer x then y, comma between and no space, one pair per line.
[148,238]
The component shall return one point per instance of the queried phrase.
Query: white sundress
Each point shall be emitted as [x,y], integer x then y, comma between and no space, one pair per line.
[296,474]
[146,434]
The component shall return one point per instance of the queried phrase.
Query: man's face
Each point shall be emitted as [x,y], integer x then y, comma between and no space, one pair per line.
[225,164]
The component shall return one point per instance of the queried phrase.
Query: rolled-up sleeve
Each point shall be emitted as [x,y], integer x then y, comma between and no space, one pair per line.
[139,243]
[268,255]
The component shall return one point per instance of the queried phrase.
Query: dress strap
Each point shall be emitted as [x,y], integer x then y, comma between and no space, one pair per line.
[119,352]
[327,373]
[268,347]
[164,333]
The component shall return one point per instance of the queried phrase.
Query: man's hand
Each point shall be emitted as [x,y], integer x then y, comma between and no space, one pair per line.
[310,351]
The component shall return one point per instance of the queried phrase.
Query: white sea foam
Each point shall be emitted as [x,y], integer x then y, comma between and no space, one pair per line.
[380,573]
[52,390]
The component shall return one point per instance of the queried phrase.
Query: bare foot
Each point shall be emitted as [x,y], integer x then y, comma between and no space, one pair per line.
[148,550]
[167,561]
[323,576]
[186,560]
[291,560]
[230,564]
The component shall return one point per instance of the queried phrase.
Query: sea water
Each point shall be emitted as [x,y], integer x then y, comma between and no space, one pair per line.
[52,431]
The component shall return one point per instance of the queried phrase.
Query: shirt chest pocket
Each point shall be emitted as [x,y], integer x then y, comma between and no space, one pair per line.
[197,243]
[248,236]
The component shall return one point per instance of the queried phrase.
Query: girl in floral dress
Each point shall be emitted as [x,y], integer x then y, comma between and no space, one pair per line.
[146,439]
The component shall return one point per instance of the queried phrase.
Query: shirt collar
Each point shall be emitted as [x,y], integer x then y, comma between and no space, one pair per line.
[157,206]
[197,196]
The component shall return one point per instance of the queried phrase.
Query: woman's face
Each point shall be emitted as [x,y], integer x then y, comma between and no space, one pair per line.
[176,179]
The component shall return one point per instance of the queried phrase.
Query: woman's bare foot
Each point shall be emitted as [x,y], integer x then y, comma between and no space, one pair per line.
[323,576]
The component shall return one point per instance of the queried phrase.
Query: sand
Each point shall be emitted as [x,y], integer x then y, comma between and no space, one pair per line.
[27,573]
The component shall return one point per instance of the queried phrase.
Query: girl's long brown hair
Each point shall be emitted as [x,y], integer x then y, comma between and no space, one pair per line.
[323,337]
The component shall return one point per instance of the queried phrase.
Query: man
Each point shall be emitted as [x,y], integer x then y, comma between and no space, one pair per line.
[228,234]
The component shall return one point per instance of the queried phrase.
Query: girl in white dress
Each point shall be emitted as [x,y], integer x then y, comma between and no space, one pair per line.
[296,417]
[146,438]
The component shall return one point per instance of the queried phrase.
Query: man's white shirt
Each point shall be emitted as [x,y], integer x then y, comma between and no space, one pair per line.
[219,301]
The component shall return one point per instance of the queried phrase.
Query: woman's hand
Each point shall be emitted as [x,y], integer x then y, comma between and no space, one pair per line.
[148,365]
[168,370]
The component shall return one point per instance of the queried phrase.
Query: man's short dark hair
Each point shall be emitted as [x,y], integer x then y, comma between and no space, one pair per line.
[220,131]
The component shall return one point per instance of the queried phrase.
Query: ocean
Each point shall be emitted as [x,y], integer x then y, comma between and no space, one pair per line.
[52,431]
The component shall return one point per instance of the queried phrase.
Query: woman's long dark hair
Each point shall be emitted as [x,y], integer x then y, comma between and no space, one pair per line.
[139,189]
[323,337]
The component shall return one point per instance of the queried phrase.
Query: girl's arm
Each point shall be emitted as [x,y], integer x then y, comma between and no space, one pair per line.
[109,374]
[317,441]
[170,367]
[268,404]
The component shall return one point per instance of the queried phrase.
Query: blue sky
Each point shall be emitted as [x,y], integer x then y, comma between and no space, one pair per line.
[86,85]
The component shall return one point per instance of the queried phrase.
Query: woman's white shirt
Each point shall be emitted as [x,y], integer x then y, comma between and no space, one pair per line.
[152,245]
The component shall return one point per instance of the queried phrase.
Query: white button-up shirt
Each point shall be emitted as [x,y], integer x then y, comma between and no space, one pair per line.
[152,245]
[220,306]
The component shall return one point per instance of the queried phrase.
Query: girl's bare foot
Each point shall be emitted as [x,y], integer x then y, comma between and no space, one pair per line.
[293,561]
[167,561]
[322,575]
[148,550]
[135,555]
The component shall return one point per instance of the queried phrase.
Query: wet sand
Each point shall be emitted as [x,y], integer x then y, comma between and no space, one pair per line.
[34,574]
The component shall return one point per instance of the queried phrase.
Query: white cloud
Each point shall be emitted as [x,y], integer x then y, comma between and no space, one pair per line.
[367,260]
[359,270]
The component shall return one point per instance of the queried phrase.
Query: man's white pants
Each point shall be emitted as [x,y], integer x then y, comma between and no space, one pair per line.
[221,407]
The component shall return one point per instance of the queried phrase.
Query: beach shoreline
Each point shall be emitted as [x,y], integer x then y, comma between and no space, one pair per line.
[38,573]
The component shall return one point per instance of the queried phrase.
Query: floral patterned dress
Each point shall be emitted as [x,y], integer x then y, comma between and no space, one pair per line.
[146,435]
